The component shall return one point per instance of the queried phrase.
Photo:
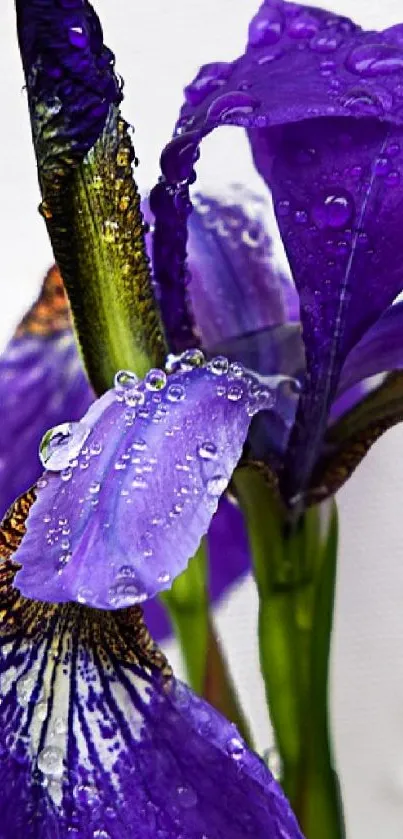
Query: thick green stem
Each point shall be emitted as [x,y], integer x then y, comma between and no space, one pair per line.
[207,671]
[295,574]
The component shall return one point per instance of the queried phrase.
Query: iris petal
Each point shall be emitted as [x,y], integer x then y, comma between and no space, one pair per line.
[228,243]
[317,96]
[379,351]
[122,519]
[42,383]
[99,741]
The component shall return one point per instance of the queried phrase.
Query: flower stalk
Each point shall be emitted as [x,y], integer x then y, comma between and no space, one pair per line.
[295,570]
[207,670]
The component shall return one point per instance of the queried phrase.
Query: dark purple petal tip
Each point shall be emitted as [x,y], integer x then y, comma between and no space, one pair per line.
[135,484]
[70,78]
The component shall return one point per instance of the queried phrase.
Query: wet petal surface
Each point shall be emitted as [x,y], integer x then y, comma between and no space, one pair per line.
[99,741]
[127,511]
[321,101]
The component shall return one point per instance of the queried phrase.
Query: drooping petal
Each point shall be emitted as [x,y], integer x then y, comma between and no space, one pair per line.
[379,351]
[141,478]
[317,96]
[90,201]
[42,383]
[99,741]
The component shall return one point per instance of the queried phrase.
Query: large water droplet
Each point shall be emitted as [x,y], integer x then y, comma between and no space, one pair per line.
[377,59]
[50,761]
[237,106]
[219,365]
[333,210]
[176,393]
[207,451]
[266,28]
[187,797]
[78,37]
[155,379]
[62,444]
[125,379]
[303,26]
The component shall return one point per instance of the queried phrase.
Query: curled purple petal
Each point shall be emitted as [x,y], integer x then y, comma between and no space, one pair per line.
[379,351]
[123,517]
[318,98]
[99,741]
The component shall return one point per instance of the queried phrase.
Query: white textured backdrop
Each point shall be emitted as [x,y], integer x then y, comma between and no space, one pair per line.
[159,46]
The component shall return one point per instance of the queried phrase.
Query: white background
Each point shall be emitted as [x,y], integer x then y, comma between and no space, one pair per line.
[159,46]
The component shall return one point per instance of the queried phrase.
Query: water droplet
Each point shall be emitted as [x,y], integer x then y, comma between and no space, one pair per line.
[78,37]
[393,178]
[63,560]
[236,370]
[61,445]
[273,761]
[125,379]
[219,365]
[303,26]
[110,231]
[207,451]
[187,797]
[66,474]
[382,166]
[237,106]
[324,42]
[42,483]
[377,59]
[155,379]
[163,577]
[59,726]
[235,393]
[25,687]
[235,748]
[266,28]
[175,393]
[333,210]
[94,487]
[191,359]
[216,485]
[41,711]
[283,208]
[50,761]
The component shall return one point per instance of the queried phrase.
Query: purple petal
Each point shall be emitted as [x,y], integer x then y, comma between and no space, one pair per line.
[42,383]
[129,510]
[349,239]
[70,79]
[97,738]
[379,351]
[234,287]
[334,169]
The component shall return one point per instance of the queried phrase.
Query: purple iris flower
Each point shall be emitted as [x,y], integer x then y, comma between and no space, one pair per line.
[320,100]
[97,738]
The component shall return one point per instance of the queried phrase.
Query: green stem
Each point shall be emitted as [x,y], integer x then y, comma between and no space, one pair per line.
[207,670]
[295,573]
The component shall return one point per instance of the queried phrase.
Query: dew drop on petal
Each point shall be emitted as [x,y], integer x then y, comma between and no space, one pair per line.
[333,210]
[50,761]
[207,451]
[175,393]
[62,444]
[219,365]
[235,748]
[155,379]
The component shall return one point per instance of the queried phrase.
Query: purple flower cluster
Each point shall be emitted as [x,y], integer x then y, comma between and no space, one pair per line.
[98,740]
